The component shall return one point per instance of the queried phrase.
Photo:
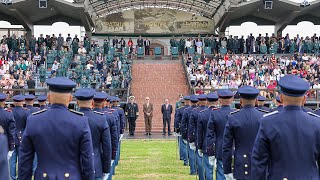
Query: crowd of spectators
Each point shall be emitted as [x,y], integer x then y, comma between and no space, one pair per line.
[261,71]
[43,57]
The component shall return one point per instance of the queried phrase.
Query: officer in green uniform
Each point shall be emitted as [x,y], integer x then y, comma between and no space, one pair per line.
[92,53]
[84,82]
[75,46]
[97,49]
[83,60]
[86,43]
[64,68]
[61,53]
[59,72]
[32,44]
[309,46]
[213,44]
[316,46]
[87,73]
[14,43]
[109,59]
[235,45]
[182,43]
[50,59]
[40,40]
[114,84]
[54,52]
[172,41]
[78,72]
[206,41]
[105,46]
[23,49]
[292,46]
[263,48]
[42,75]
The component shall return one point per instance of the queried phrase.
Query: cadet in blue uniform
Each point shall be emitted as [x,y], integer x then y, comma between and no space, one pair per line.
[193,131]
[99,99]
[100,132]
[42,100]
[260,103]
[29,99]
[279,105]
[20,115]
[186,126]
[115,105]
[216,124]
[60,137]
[4,171]
[201,140]
[240,131]
[179,129]
[8,124]
[287,144]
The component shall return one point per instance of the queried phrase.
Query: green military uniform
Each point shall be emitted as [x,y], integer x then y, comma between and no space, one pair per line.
[97,50]
[309,46]
[75,47]
[42,74]
[109,59]
[92,54]
[114,84]
[316,47]
[263,49]
[87,73]
[78,72]
[106,47]
[61,54]
[50,60]
[292,47]
[86,44]
[84,83]
[206,42]
[14,44]
[59,72]
[83,60]
[55,53]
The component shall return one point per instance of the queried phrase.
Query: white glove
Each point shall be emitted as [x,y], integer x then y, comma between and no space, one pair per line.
[200,153]
[229,176]
[192,146]
[121,136]
[174,134]
[9,155]
[112,162]
[184,141]
[105,176]
[212,160]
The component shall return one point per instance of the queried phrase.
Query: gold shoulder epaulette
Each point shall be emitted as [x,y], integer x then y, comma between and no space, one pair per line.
[262,110]
[235,111]
[98,112]
[38,112]
[76,112]
[203,110]
[214,108]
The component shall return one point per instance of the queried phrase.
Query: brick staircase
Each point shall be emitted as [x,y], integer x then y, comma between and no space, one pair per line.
[157,79]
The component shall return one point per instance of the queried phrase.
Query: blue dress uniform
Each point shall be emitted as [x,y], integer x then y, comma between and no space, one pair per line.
[122,125]
[241,129]
[201,140]
[61,138]
[216,124]
[287,143]
[101,97]
[8,123]
[20,115]
[179,124]
[32,109]
[100,133]
[191,146]
[262,99]
[42,98]
[193,133]
[4,171]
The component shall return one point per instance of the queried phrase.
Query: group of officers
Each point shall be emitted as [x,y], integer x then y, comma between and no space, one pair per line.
[54,142]
[251,143]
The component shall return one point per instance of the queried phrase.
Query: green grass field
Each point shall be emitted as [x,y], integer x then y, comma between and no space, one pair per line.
[150,159]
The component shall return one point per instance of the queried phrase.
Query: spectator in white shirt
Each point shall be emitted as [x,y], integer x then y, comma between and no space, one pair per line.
[55,66]
[82,50]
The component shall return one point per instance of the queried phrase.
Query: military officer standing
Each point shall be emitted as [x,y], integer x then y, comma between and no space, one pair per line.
[132,113]
[216,124]
[20,115]
[100,132]
[29,103]
[8,124]
[42,100]
[62,154]
[201,140]
[260,103]
[287,143]
[193,131]
[240,131]
[99,99]
[179,129]
[191,147]
[3,156]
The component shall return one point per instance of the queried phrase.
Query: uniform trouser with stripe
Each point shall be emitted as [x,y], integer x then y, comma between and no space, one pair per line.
[192,160]
[200,167]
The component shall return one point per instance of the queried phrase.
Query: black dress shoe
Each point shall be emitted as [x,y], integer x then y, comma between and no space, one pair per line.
[150,134]
[163,133]
[146,134]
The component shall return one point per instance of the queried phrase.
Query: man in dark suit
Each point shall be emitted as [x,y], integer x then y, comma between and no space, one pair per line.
[166,111]
[140,42]
[147,46]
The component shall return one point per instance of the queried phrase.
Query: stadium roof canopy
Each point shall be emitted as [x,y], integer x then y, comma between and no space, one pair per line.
[223,12]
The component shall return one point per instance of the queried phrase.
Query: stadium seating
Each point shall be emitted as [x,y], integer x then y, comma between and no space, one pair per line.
[157,52]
